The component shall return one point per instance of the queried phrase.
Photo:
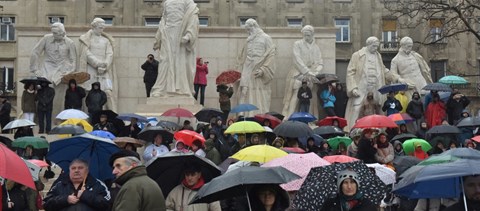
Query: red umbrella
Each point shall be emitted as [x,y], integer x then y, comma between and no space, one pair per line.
[374,121]
[401,118]
[329,121]
[476,138]
[188,136]
[228,77]
[274,121]
[178,112]
[339,159]
[14,168]
[39,163]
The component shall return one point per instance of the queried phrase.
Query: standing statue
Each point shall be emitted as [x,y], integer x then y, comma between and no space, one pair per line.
[59,52]
[365,73]
[96,57]
[258,67]
[410,68]
[308,61]
[176,38]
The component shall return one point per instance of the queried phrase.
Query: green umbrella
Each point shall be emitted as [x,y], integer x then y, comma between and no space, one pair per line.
[437,159]
[334,142]
[35,142]
[409,145]
[452,79]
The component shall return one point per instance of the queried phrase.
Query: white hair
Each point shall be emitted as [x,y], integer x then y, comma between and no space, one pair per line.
[372,40]
[405,40]
[252,22]
[58,25]
[308,28]
[97,21]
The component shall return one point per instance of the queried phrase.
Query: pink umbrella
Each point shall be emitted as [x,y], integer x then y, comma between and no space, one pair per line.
[299,164]
[339,159]
[39,163]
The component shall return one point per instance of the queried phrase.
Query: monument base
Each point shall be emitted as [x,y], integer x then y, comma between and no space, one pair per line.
[155,106]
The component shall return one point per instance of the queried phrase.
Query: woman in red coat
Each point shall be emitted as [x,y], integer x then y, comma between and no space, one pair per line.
[435,112]
[200,81]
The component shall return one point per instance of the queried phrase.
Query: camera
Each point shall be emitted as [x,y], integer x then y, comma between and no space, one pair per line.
[206,62]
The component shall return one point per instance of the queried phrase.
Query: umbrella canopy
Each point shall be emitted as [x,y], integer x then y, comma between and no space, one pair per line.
[409,145]
[103,134]
[35,80]
[18,123]
[401,118]
[168,170]
[67,129]
[228,77]
[328,121]
[465,153]
[6,141]
[385,89]
[339,159]
[321,184]
[327,131]
[170,126]
[402,137]
[402,163]
[292,129]
[387,175]
[237,182]
[95,150]
[72,113]
[276,114]
[80,77]
[188,137]
[129,116]
[452,79]
[259,153]
[148,134]
[469,122]
[334,142]
[122,141]
[316,138]
[243,108]
[443,129]
[34,169]
[206,114]
[274,121]
[307,77]
[436,159]
[327,78]
[244,127]
[35,142]
[39,163]
[302,117]
[299,164]
[178,112]
[293,150]
[80,122]
[12,167]
[439,87]
[375,121]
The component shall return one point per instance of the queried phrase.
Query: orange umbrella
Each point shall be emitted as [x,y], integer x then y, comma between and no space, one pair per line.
[375,121]
[339,159]
[188,136]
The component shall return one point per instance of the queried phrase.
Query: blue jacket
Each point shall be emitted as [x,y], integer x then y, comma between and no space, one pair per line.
[328,98]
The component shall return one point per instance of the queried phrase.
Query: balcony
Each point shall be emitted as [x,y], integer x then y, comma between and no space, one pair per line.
[389,46]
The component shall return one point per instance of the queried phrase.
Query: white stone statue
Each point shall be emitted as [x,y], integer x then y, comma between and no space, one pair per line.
[257,67]
[410,68]
[59,52]
[307,60]
[176,38]
[96,58]
[365,73]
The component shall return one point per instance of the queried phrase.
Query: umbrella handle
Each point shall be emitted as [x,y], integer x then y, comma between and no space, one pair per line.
[463,190]
[248,199]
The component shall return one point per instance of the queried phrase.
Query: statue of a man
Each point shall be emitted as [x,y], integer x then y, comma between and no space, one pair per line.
[307,60]
[96,58]
[410,68]
[365,73]
[176,38]
[60,55]
[257,67]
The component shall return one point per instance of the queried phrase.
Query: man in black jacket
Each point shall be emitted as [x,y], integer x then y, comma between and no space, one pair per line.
[5,108]
[44,98]
[74,95]
[96,98]
[151,72]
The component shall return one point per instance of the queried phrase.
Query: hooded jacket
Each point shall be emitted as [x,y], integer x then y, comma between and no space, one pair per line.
[151,71]
[415,108]
[212,152]
[45,97]
[96,98]
[201,73]
[73,97]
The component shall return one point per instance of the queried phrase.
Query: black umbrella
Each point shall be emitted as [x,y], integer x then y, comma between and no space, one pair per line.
[403,137]
[6,141]
[327,78]
[148,134]
[237,182]
[402,163]
[168,170]
[226,163]
[67,129]
[276,114]
[321,184]
[293,129]
[328,131]
[206,114]
[35,80]
[437,87]
[170,126]
[469,122]
[443,129]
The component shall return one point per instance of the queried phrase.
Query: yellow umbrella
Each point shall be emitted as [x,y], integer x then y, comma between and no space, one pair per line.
[244,127]
[259,153]
[80,122]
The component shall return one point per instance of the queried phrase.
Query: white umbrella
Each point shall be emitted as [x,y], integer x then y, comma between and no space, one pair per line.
[19,123]
[34,169]
[387,175]
[72,113]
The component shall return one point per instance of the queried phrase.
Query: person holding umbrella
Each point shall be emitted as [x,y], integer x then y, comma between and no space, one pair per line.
[391,105]
[269,198]
[156,149]
[28,101]
[471,193]
[45,96]
[105,125]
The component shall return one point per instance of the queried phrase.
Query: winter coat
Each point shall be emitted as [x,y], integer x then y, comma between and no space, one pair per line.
[138,192]
[366,152]
[398,153]
[96,98]
[435,113]
[304,95]
[28,102]
[333,204]
[415,109]
[201,73]
[224,95]
[108,125]
[73,97]
[5,110]
[340,102]
[127,132]
[392,106]
[212,152]
[95,197]
[19,199]
[328,99]
[181,195]
[385,155]
[459,206]
[369,107]
[45,97]
[455,109]
[151,71]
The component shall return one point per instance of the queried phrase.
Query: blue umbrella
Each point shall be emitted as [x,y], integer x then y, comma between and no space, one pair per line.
[302,117]
[392,88]
[129,116]
[243,108]
[95,150]
[103,134]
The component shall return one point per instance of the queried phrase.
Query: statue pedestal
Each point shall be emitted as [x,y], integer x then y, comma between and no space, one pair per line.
[155,106]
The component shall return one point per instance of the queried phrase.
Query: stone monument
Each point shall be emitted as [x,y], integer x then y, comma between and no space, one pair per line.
[96,58]
[257,68]
[365,73]
[308,62]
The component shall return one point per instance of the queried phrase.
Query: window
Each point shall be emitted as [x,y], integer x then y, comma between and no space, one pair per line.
[389,35]
[439,69]
[244,19]
[55,19]
[294,22]
[153,21]
[436,29]
[203,21]
[343,30]
[108,20]
[7,28]
[7,79]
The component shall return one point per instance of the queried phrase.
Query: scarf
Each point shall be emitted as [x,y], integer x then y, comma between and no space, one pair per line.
[383,145]
[30,91]
[197,186]
[350,202]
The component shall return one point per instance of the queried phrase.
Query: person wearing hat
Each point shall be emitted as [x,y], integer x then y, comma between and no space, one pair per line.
[138,191]
[304,95]
[349,196]
[418,152]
